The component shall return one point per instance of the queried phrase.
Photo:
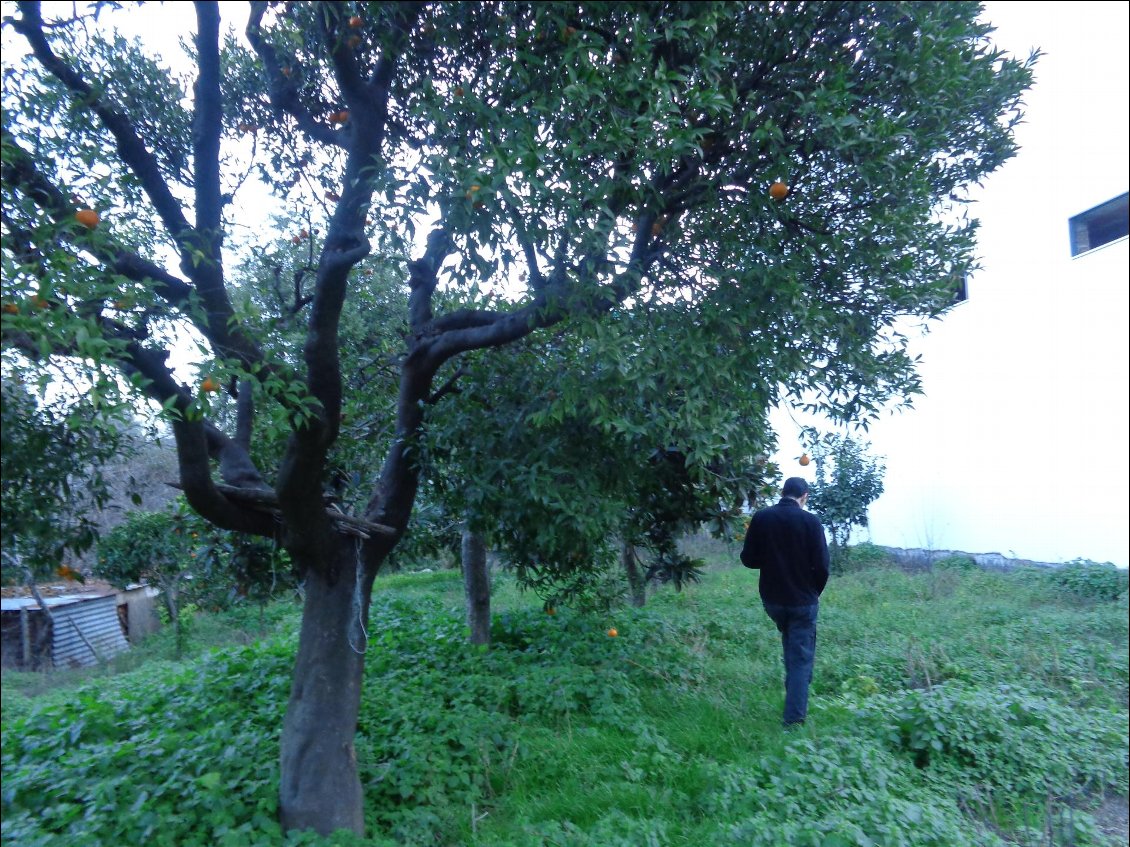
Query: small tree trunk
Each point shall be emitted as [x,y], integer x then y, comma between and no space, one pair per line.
[25,639]
[34,589]
[45,641]
[637,585]
[476,587]
[172,606]
[319,786]
[839,543]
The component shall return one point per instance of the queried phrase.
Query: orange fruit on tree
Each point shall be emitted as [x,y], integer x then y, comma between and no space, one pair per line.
[549,610]
[87,217]
[209,384]
[459,91]
[778,190]
[804,460]
[339,117]
[612,633]
[11,309]
[356,22]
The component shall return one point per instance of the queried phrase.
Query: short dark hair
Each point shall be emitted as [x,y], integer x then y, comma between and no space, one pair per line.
[795,487]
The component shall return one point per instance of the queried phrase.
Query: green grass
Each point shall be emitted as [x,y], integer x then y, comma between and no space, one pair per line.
[952,707]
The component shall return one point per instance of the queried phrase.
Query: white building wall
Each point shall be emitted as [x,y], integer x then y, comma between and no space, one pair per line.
[1020,444]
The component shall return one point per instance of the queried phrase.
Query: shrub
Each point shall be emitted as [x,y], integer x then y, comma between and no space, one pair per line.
[1004,740]
[841,792]
[1089,580]
[956,563]
[860,557]
[170,755]
[156,548]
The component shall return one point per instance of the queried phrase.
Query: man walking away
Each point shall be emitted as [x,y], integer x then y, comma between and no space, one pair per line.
[788,546]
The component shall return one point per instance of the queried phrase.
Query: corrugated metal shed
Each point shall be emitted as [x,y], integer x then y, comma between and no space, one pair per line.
[87,629]
[87,632]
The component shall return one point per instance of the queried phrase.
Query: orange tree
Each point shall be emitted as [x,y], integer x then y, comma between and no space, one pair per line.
[568,454]
[538,166]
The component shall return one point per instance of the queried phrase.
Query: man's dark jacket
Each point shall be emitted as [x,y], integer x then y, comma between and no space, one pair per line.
[787,544]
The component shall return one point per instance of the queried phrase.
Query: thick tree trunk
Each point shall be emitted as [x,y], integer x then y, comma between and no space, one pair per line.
[637,585]
[319,787]
[476,587]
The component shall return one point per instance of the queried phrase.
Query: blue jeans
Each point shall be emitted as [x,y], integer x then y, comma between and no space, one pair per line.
[797,625]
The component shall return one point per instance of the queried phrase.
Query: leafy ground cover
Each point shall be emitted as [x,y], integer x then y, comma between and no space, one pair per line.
[951,707]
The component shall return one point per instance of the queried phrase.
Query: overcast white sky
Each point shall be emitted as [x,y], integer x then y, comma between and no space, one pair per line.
[1020,444]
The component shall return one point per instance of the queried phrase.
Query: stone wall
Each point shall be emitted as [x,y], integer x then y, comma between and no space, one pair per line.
[919,559]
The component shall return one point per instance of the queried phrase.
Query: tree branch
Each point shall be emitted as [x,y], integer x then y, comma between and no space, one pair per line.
[283,89]
[130,147]
[266,500]
[244,415]
[21,173]
[449,387]
[207,123]
[423,277]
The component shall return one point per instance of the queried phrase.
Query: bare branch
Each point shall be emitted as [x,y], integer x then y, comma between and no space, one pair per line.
[449,387]
[264,499]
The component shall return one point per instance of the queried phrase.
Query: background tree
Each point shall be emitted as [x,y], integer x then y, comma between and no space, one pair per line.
[572,467]
[563,163]
[191,562]
[154,548]
[848,480]
[52,467]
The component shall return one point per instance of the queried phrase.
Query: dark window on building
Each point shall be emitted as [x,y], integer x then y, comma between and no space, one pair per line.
[961,288]
[1101,225]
